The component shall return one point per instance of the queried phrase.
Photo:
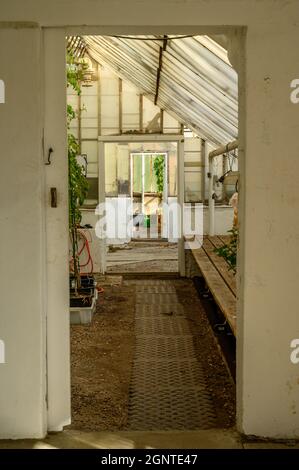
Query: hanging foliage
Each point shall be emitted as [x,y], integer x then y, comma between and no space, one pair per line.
[75,72]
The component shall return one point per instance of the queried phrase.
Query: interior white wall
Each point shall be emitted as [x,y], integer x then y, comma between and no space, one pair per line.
[268,386]
[268,398]
[22,238]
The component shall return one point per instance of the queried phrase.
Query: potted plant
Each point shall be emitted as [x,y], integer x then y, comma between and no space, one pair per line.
[83,291]
[228,251]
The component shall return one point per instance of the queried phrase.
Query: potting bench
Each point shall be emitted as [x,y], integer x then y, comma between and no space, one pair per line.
[220,281]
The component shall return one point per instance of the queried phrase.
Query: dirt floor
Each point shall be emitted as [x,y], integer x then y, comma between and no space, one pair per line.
[102,355]
[101,359]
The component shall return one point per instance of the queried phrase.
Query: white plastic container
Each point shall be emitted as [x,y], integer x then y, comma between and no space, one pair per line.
[83,315]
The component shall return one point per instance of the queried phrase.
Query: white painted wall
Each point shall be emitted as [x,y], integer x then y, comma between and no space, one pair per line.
[56,174]
[268,398]
[268,390]
[22,238]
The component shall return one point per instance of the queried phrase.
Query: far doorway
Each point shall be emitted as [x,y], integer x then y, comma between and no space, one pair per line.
[141,195]
[149,194]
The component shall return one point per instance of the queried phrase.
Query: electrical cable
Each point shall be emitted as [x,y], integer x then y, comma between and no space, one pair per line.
[138,38]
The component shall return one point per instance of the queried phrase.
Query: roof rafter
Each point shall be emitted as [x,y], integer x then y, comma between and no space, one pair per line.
[194,81]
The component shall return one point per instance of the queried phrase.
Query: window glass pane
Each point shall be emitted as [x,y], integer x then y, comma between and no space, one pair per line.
[193,184]
[137,173]
[110,169]
[117,169]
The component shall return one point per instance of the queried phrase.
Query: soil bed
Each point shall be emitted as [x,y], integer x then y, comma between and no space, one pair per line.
[101,360]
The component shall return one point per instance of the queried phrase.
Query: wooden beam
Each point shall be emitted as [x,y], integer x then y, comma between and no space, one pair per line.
[120,108]
[193,165]
[102,198]
[203,169]
[181,201]
[161,120]
[160,67]
[224,149]
[99,102]
[141,112]
[224,170]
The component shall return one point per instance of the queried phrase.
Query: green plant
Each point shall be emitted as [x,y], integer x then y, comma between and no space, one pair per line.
[228,251]
[75,71]
[159,172]
[78,185]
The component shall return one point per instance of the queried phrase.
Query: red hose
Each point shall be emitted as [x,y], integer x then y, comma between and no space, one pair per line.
[86,246]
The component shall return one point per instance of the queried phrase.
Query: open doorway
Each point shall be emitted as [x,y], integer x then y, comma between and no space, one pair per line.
[149,194]
[141,179]
[178,297]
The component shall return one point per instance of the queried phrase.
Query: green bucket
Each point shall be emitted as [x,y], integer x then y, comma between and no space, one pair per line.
[147,221]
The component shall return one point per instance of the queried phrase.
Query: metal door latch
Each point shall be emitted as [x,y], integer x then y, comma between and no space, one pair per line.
[50,151]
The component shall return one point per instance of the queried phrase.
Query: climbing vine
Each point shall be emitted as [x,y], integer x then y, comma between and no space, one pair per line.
[159,172]
[78,185]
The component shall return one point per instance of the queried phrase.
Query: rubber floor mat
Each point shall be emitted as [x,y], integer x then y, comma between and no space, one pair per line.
[168,389]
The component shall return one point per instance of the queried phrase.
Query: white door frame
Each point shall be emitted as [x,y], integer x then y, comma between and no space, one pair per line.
[57,314]
[57,232]
[148,138]
[165,180]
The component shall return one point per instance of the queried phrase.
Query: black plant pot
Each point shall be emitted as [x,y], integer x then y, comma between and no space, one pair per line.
[87,280]
[81,301]
[82,291]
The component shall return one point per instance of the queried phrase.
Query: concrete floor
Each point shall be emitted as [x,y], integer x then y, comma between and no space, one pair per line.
[206,439]
[143,257]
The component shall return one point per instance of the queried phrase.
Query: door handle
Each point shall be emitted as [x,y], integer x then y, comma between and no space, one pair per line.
[50,151]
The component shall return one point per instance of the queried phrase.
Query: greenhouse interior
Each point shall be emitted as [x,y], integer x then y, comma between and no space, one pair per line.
[148,225]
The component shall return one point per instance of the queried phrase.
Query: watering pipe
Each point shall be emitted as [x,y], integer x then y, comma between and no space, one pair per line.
[215,153]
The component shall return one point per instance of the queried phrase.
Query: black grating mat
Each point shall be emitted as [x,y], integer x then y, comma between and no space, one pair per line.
[168,389]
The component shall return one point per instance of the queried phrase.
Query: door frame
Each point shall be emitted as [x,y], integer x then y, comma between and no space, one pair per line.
[165,180]
[57,331]
[147,138]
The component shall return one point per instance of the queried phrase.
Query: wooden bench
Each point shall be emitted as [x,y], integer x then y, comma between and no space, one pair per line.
[219,279]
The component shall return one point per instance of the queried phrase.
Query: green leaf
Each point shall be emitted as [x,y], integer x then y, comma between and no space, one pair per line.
[228,251]
[78,185]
